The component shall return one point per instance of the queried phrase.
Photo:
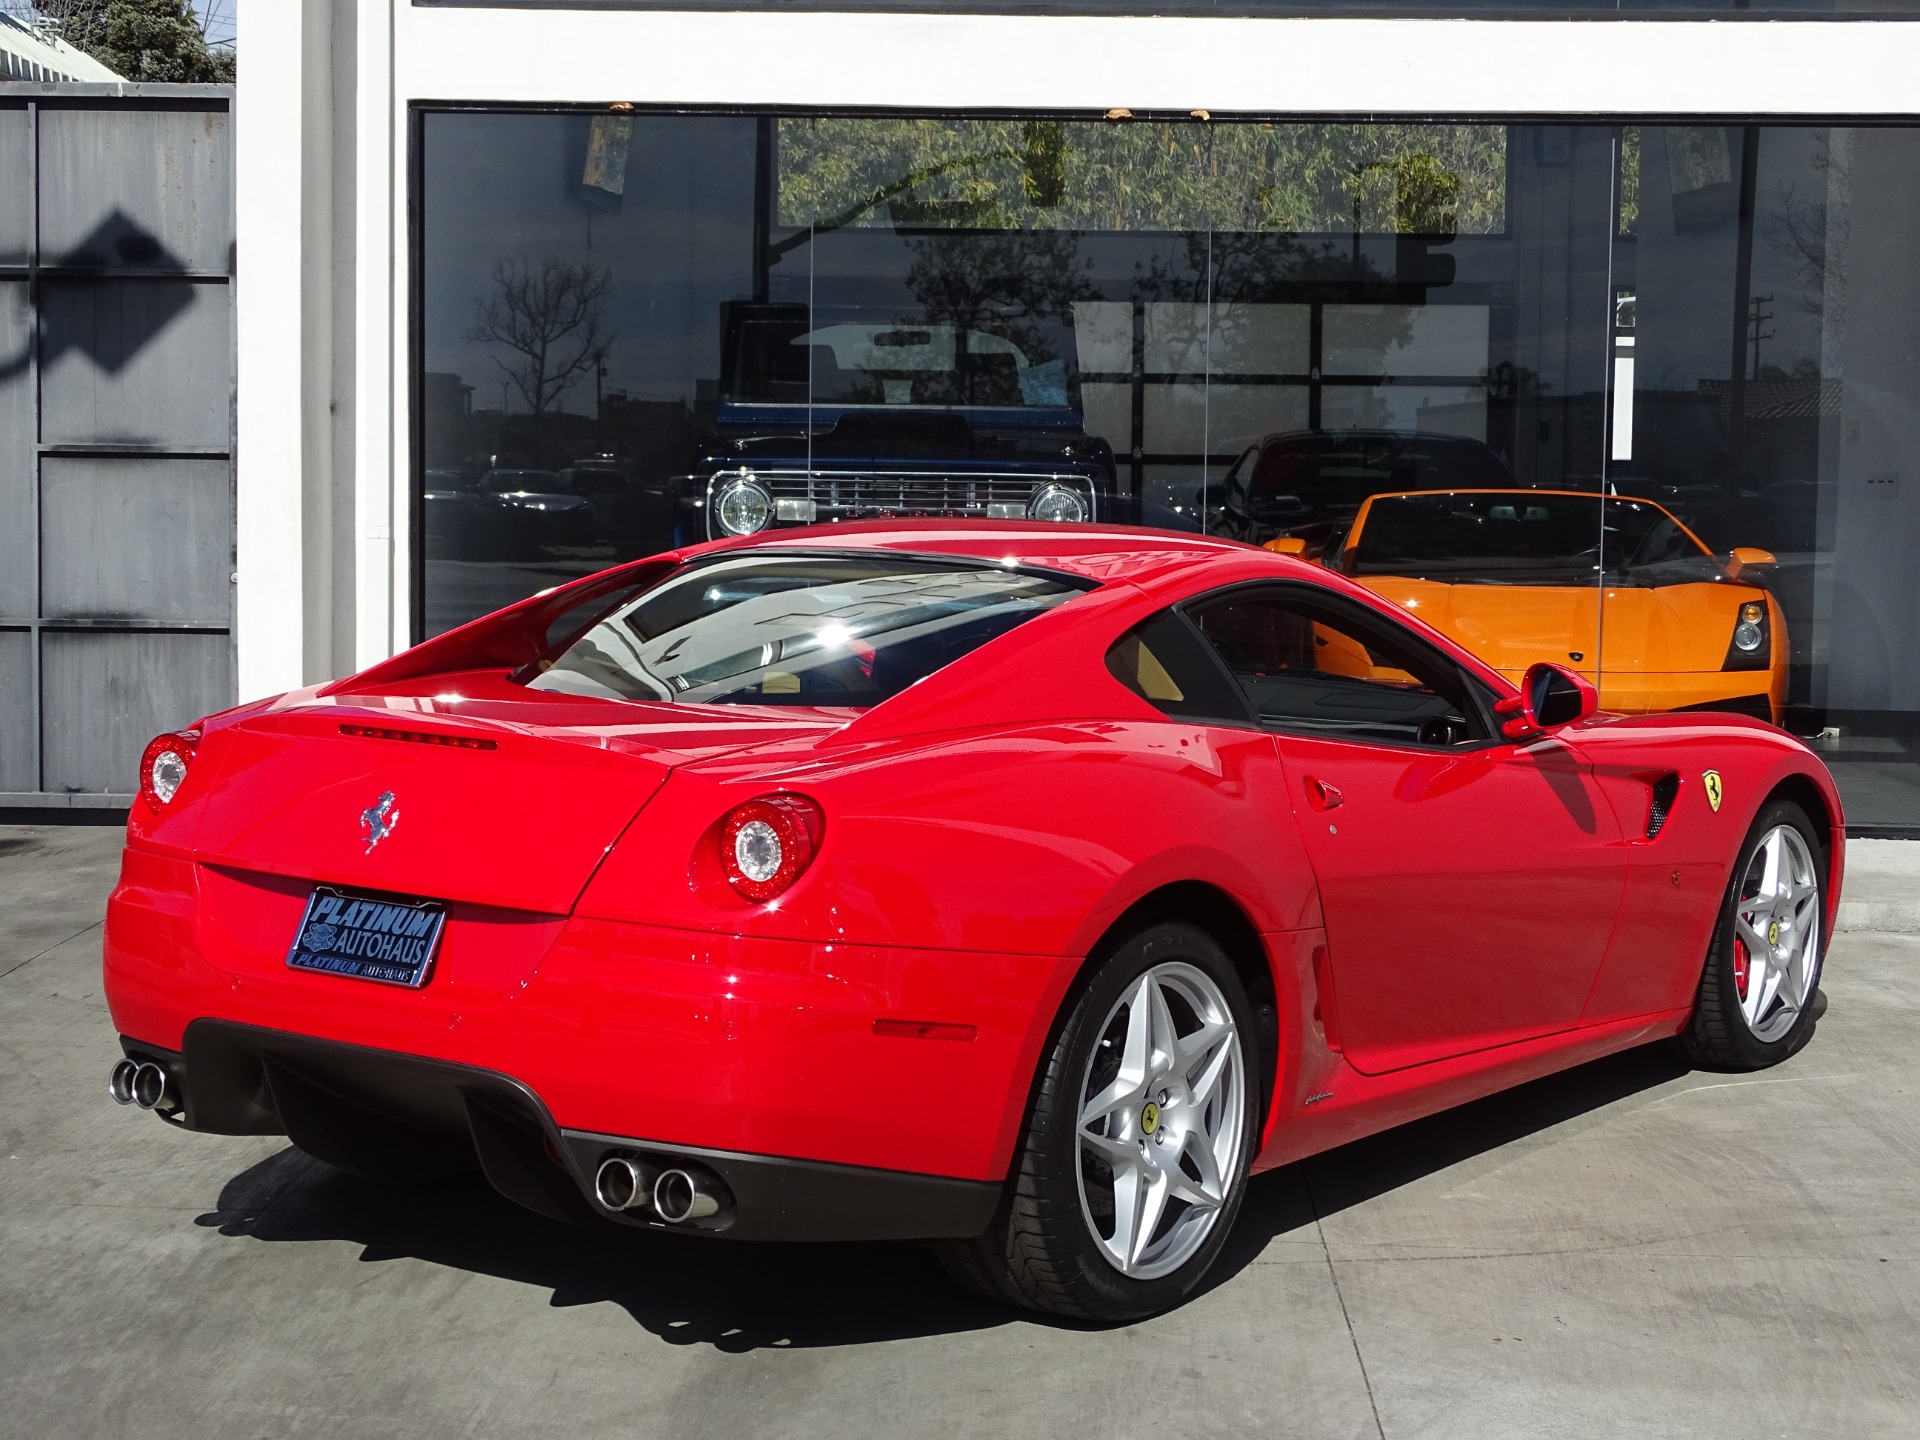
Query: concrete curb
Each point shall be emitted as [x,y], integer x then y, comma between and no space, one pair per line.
[1879,917]
[1881,892]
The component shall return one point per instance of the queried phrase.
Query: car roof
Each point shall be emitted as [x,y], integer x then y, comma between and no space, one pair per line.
[1100,553]
[1518,491]
[1361,432]
[1515,490]
[1366,507]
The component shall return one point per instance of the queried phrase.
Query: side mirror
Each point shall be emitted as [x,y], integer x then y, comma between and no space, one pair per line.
[1286,545]
[1744,557]
[1550,697]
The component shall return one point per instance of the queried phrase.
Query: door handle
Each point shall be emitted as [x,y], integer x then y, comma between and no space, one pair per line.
[1323,796]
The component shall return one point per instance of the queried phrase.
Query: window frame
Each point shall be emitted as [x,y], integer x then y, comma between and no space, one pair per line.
[1479,699]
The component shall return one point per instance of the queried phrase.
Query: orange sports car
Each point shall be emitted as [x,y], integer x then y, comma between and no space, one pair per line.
[1518,576]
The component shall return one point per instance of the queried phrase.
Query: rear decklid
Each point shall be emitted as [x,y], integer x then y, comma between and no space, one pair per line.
[510,800]
[412,805]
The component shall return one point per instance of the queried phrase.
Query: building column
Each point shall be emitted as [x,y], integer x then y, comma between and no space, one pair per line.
[296,113]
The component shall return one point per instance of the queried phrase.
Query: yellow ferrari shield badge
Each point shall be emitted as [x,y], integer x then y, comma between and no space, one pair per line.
[1715,792]
[1149,1118]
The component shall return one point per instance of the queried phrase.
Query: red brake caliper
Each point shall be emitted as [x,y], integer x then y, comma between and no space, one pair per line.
[1740,964]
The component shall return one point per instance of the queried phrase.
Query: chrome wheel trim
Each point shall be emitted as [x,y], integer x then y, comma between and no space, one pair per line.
[1776,919]
[1162,1121]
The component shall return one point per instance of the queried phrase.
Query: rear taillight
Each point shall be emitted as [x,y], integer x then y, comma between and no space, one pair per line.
[767,843]
[163,766]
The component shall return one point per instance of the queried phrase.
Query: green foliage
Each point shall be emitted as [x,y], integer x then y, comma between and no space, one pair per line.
[151,41]
[1629,219]
[1426,195]
[1143,175]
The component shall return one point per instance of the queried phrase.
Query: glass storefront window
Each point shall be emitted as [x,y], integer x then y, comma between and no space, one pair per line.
[1425,9]
[1634,400]
[1769,277]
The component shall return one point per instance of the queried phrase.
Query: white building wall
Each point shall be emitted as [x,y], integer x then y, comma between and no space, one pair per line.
[324,101]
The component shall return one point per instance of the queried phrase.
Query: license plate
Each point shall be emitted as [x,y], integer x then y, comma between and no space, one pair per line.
[366,937]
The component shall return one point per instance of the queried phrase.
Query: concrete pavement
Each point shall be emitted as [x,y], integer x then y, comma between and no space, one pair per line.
[1627,1249]
[1881,891]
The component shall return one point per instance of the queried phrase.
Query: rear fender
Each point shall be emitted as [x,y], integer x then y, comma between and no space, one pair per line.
[1028,841]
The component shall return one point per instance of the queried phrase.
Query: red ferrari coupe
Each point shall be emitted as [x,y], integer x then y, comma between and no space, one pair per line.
[1013,886]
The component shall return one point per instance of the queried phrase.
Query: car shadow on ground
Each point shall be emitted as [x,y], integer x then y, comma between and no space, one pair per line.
[1299,1196]
[690,1291]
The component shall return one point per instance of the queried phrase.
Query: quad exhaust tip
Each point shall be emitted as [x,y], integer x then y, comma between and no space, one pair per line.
[624,1184]
[680,1195]
[120,1082]
[142,1083]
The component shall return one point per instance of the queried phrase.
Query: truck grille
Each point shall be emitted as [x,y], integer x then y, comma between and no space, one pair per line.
[816,497]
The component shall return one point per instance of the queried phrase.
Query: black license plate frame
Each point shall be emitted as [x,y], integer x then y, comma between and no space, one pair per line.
[385,939]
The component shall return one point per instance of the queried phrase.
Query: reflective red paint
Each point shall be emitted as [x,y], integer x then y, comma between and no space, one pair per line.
[1436,925]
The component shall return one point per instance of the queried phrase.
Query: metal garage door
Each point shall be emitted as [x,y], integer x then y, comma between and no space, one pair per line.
[116,425]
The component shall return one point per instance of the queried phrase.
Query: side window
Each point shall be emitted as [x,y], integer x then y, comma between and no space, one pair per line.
[1319,669]
[1163,662]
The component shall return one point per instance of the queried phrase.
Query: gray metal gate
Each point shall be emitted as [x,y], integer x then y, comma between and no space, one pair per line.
[116,429]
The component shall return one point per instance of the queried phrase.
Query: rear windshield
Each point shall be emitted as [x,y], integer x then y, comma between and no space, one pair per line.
[799,629]
[1526,538]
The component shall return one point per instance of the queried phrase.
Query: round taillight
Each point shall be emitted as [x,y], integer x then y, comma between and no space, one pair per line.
[765,844]
[163,766]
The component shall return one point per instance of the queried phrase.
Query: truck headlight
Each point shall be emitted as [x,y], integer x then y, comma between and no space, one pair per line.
[743,507]
[1058,502]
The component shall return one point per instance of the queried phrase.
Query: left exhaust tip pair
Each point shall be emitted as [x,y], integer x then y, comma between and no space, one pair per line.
[142,1083]
[673,1195]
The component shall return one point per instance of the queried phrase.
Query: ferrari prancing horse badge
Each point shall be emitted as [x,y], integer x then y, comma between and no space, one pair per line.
[1715,793]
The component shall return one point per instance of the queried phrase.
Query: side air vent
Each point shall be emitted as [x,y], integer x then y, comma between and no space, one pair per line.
[1665,791]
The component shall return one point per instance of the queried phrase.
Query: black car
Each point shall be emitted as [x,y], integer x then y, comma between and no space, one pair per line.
[628,514]
[1310,484]
[530,510]
[823,418]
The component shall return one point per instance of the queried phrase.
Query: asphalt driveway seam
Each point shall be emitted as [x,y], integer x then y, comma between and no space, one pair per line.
[1334,1275]
[16,969]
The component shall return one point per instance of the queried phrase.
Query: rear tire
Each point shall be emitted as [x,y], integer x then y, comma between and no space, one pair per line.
[1133,1161]
[1759,990]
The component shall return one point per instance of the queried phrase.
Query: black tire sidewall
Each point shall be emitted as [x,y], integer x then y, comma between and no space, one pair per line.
[1753,1052]
[1107,1292]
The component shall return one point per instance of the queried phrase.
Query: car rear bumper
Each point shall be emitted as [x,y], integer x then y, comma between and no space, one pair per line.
[391,1116]
[854,1067]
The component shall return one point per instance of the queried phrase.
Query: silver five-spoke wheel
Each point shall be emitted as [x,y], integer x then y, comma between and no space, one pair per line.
[1162,1121]
[1776,940]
